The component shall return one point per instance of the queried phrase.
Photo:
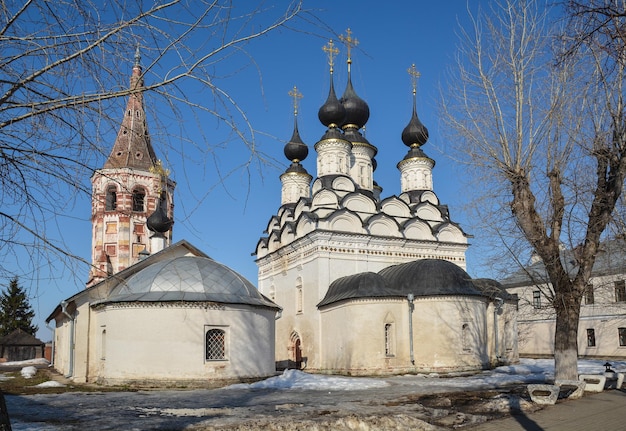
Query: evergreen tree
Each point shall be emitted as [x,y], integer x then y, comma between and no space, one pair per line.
[15,310]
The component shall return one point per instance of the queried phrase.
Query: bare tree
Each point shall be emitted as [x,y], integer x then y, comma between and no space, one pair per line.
[65,64]
[544,135]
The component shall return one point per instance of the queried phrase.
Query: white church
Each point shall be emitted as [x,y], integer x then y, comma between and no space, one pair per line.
[348,282]
[371,285]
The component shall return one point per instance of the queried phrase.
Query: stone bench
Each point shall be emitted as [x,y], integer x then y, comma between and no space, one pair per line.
[614,380]
[543,394]
[575,389]
[593,382]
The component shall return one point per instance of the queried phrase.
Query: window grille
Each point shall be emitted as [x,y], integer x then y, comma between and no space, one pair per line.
[215,344]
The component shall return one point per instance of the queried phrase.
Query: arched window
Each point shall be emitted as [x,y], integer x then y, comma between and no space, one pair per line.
[139,196]
[111,198]
[389,342]
[465,338]
[299,296]
[215,345]
[103,345]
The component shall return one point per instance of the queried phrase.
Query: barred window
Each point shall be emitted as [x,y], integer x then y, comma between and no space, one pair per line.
[215,345]
[389,344]
[622,336]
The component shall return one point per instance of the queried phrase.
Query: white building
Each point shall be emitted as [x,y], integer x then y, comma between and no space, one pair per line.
[602,324]
[155,313]
[371,285]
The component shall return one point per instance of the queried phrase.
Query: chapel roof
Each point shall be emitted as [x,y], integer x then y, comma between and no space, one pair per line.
[188,278]
[422,278]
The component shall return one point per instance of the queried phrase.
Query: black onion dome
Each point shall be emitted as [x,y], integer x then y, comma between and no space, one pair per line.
[415,132]
[357,111]
[158,220]
[332,112]
[296,150]
[429,277]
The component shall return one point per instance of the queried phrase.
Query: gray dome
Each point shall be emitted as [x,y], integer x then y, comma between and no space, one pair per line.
[426,277]
[429,277]
[362,285]
[188,278]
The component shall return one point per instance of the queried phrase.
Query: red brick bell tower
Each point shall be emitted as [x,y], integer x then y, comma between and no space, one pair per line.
[126,191]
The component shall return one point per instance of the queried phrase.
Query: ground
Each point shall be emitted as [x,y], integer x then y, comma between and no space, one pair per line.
[291,401]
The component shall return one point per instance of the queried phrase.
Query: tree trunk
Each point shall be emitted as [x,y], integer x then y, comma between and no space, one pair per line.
[567,306]
[5,423]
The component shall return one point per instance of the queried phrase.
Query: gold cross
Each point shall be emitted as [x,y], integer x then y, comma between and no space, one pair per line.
[414,74]
[296,96]
[349,42]
[160,170]
[332,52]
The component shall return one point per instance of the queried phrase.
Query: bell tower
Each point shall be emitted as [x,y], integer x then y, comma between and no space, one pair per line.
[130,187]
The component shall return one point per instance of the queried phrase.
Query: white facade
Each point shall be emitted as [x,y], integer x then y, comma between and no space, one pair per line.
[602,324]
[114,333]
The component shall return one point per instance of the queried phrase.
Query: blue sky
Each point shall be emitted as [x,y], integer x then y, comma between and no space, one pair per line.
[225,219]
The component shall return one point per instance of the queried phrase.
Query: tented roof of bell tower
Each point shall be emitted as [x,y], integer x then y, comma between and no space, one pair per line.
[132,148]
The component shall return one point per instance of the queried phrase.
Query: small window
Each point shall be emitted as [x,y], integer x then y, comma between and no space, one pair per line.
[622,336]
[215,345]
[591,338]
[620,291]
[111,198]
[299,296]
[103,345]
[537,299]
[389,348]
[465,337]
[139,197]
[589,299]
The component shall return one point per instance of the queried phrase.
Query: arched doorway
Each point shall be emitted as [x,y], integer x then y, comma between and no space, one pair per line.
[295,351]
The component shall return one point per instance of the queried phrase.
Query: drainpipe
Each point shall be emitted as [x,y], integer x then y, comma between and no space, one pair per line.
[52,347]
[70,371]
[410,299]
[497,309]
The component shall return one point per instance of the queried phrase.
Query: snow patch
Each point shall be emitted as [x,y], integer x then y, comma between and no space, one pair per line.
[50,384]
[294,379]
[28,372]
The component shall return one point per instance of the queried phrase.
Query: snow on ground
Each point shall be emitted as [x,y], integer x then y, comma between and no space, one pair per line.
[30,362]
[293,379]
[291,394]
[28,372]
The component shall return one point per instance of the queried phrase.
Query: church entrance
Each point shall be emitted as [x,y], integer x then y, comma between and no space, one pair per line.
[295,352]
